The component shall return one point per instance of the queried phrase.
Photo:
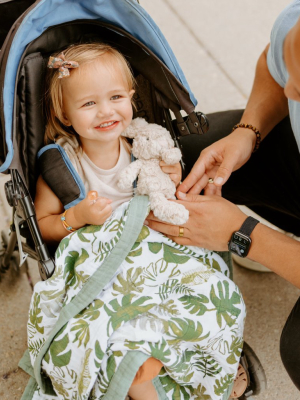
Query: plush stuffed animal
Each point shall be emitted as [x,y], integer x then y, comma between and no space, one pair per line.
[151,144]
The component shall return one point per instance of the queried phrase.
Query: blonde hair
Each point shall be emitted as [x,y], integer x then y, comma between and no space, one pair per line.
[83,54]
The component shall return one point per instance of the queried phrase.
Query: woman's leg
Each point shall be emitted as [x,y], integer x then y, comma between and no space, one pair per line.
[289,345]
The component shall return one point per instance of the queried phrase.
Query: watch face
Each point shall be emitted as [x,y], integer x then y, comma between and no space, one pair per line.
[239,244]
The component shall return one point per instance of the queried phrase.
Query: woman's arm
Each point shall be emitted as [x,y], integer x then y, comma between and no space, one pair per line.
[49,210]
[211,224]
[266,107]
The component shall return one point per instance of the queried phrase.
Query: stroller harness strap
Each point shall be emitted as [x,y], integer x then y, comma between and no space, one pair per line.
[137,212]
[70,190]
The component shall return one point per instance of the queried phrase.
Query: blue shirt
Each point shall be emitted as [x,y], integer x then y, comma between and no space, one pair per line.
[283,24]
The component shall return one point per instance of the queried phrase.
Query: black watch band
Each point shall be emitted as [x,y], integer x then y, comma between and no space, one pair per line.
[248,226]
[240,241]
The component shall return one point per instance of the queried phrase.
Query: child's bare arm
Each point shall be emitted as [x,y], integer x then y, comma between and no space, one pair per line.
[174,171]
[49,210]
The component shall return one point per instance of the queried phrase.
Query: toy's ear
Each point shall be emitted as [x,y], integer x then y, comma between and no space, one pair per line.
[133,129]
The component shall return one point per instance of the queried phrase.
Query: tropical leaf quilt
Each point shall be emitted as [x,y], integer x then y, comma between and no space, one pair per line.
[167,301]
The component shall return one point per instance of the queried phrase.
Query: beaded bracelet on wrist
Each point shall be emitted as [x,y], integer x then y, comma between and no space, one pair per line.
[255,130]
[65,224]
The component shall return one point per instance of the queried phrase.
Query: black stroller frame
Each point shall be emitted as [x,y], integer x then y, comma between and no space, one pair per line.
[166,96]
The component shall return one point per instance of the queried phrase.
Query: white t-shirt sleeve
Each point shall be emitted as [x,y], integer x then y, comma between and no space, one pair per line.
[285,21]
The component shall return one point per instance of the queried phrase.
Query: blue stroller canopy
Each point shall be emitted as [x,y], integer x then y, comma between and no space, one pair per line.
[125,14]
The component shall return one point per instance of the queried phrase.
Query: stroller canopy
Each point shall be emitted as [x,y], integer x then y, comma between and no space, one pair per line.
[125,14]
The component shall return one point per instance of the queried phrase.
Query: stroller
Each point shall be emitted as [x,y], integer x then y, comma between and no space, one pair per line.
[47,26]
[161,87]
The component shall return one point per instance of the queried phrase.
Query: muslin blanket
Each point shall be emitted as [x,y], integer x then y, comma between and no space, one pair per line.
[98,318]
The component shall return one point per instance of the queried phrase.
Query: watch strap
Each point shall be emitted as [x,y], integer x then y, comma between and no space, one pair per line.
[248,226]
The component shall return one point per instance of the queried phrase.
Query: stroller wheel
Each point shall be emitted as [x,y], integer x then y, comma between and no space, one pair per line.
[13,261]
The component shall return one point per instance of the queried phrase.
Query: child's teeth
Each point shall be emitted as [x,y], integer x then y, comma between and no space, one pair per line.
[107,124]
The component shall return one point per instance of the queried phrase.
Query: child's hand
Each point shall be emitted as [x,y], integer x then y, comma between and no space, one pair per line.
[93,210]
[174,171]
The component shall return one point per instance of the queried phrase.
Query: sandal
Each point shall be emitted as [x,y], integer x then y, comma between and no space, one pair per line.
[240,384]
[251,374]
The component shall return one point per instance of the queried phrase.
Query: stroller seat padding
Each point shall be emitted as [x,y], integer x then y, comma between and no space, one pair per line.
[60,175]
[31,122]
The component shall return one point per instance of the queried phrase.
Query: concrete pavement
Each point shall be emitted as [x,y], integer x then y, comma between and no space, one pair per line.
[217,44]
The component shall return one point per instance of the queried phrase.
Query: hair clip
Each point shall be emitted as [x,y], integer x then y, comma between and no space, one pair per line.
[62,64]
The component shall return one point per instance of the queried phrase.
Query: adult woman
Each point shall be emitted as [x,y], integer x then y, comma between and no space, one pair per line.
[268,182]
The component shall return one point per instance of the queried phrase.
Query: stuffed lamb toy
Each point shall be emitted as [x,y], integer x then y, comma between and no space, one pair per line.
[151,144]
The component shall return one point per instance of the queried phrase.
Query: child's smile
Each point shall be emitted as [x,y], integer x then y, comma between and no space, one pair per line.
[97,103]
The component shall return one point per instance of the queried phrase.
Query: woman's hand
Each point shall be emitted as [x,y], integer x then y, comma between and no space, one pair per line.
[93,210]
[211,223]
[174,171]
[218,161]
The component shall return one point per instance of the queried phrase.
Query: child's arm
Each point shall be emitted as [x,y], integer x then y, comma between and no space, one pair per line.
[49,210]
[174,171]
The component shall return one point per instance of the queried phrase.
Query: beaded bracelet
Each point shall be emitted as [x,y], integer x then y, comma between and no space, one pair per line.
[65,224]
[255,130]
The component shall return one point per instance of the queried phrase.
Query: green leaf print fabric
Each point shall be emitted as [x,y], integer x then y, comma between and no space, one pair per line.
[167,301]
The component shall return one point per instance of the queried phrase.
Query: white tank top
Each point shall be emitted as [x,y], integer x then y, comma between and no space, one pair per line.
[104,181]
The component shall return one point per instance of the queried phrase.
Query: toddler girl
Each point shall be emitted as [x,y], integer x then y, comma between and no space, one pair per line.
[89,105]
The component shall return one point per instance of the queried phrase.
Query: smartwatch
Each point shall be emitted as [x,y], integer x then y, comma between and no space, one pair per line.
[240,241]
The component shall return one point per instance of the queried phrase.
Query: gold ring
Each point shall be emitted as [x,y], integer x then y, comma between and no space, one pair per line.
[210,180]
[181,231]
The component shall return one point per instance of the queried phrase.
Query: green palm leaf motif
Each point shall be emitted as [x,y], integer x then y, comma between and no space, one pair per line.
[223,384]
[199,393]
[72,277]
[151,272]
[160,351]
[179,391]
[104,249]
[134,252]
[99,354]
[52,294]
[167,308]
[207,365]
[195,304]
[186,330]
[155,247]
[81,237]
[85,377]
[62,246]
[92,311]
[127,310]
[111,367]
[34,319]
[235,350]
[115,225]
[182,365]
[216,265]
[34,346]
[57,350]
[167,288]
[133,345]
[56,275]
[133,283]
[143,234]
[83,334]
[172,255]
[60,389]
[102,382]
[225,303]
